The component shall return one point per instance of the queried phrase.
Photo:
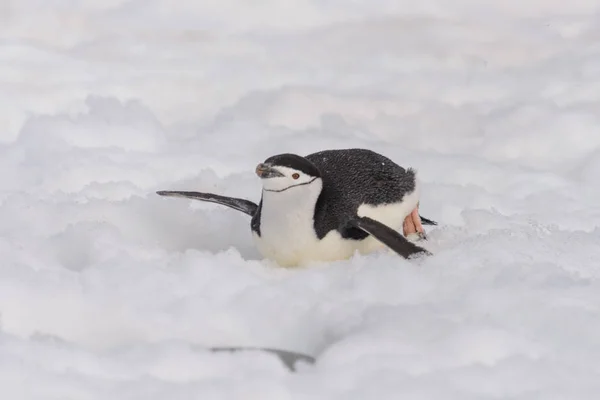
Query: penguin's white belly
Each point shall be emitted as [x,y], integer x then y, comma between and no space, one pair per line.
[289,239]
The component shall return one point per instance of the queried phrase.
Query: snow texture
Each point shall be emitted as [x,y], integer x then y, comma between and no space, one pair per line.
[108,291]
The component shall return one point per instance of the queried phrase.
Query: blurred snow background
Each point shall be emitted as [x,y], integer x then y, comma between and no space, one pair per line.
[109,291]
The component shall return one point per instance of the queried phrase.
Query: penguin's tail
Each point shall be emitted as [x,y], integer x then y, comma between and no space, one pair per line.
[426,221]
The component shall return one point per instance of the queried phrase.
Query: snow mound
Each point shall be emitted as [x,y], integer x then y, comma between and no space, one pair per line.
[108,290]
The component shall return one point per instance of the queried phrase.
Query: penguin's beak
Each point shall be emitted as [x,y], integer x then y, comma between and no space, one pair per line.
[265,171]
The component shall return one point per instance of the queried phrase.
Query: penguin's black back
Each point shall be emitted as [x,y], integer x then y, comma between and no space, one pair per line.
[352,177]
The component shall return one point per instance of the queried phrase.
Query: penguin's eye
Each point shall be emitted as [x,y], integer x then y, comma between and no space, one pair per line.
[296,175]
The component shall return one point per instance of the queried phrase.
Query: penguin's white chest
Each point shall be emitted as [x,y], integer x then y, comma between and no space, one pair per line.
[287,231]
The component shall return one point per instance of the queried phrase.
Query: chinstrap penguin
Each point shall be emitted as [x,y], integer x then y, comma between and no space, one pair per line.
[328,205]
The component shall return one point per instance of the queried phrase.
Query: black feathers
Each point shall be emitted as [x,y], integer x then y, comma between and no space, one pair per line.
[243,205]
[296,162]
[354,177]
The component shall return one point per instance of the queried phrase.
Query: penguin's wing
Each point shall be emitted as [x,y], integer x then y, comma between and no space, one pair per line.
[243,205]
[391,238]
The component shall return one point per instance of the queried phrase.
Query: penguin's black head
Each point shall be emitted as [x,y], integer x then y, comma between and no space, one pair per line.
[284,171]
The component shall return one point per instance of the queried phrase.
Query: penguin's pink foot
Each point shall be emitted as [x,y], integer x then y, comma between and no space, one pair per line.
[412,225]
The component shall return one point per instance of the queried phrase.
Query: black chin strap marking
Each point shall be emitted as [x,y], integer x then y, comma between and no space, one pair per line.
[289,187]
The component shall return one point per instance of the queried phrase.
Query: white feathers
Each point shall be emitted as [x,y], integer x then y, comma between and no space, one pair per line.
[392,214]
[286,224]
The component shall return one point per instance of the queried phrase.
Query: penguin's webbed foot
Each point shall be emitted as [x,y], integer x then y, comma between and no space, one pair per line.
[412,227]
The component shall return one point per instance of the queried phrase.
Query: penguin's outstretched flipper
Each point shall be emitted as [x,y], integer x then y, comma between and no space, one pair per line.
[243,205]
[388,236]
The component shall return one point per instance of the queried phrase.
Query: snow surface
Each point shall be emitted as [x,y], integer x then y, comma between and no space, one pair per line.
[108,291]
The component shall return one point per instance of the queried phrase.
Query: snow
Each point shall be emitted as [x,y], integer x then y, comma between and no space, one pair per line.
[108,291]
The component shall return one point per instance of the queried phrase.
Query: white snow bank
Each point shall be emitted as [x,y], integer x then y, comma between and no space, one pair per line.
[110,291]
